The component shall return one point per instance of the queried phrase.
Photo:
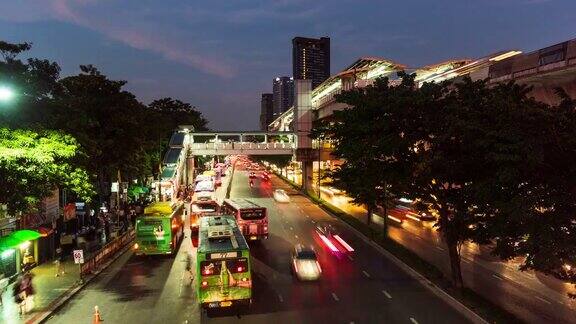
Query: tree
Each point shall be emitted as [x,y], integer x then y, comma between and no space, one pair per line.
[174,112]
[535,204]
[34,81]
[33,164]
[369,137]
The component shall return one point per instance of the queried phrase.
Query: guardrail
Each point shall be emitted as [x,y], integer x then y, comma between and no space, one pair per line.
[242,146]
[106,252]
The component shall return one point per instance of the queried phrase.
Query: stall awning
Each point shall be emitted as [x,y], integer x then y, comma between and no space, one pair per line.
[14,239]
[26,235]
[168,173]
[171,157]
[9,242]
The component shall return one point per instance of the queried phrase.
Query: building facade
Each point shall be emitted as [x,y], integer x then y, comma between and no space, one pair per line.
[311,59]
[266,110]
[283,95]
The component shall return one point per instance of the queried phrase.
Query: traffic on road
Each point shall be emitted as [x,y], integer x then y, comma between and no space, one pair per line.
[261,260]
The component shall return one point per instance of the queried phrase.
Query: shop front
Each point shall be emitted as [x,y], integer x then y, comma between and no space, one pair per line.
[18,251]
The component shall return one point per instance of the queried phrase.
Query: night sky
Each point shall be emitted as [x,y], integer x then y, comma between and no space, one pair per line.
[221,55]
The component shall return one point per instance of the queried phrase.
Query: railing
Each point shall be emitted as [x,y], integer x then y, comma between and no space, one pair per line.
[106,252]
[241,146]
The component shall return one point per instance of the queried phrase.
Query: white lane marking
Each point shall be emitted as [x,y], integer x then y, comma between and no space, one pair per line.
[387,294]
[544,300]
[313,222]
[291,228]
[335,297]
[296,236]
[366,274]
[280,298]
[497,277]
[350,257]
[465,260]
[439,248]
[413,320]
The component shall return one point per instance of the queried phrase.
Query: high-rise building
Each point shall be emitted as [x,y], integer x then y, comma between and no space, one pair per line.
[266,110]
[283,92]
[311,59]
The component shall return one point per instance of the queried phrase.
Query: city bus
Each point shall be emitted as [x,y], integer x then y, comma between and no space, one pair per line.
[199,209]
[252,219]
[160,229]
[223,275]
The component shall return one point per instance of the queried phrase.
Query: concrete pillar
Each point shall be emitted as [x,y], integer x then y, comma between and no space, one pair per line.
[190,168]
[307,176]
[302,125]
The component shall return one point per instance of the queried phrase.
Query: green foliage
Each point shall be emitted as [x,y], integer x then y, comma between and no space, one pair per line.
[33,164]
[494,164]
[114,130]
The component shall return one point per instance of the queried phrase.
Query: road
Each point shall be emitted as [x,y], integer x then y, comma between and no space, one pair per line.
[531,296]
[362,287]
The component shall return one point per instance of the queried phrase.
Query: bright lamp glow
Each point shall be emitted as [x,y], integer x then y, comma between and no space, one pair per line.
[6,94]
[7,253]
[24,245]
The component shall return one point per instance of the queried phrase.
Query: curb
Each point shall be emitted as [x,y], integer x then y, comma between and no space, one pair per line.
[456,304]
[63,299]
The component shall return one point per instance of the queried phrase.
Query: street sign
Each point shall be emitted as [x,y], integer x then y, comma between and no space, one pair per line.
[78,256]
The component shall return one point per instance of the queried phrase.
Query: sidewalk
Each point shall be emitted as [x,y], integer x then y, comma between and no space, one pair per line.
[49,289]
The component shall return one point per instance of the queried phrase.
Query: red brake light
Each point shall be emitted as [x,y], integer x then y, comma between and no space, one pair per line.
[204,283]
[239,269]
[207,272]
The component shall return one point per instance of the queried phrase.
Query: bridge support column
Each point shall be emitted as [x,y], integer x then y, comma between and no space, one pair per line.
[307,176]
[189,168]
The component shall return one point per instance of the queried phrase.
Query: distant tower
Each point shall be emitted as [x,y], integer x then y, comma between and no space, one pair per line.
[283,92]
[266,111]
[311,59]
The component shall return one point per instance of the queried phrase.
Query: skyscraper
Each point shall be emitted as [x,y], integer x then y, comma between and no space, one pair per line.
[266,111]
[311,59]
[283,91]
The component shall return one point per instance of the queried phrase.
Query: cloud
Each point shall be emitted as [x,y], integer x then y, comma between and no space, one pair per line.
[134,31]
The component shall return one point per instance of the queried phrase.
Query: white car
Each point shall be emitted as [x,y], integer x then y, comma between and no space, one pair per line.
[281,196]
[305,264]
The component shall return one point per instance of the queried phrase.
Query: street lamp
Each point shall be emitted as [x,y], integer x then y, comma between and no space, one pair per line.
[6,94]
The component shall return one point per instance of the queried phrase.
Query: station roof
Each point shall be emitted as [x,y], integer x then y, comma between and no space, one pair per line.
[172,155]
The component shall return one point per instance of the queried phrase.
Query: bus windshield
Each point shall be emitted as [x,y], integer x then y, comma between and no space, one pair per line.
[249,214]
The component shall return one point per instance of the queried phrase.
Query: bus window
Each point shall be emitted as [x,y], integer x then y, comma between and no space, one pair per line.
[210,268]
[252,214]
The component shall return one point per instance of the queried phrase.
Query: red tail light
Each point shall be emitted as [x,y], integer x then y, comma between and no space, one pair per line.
[207,272]
[239,269]
[204,283]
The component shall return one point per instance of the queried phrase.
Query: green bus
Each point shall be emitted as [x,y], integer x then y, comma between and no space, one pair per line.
[160,229]
[222,264]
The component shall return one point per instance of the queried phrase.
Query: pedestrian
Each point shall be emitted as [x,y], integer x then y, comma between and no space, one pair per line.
[19,295]
[59,262]
[188,273]
[29,292]
[3,285]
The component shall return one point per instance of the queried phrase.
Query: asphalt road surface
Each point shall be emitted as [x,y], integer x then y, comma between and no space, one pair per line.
[358,287]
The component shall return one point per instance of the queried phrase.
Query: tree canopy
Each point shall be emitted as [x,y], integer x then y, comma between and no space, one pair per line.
[113,130]
[33,164]
[492,162]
